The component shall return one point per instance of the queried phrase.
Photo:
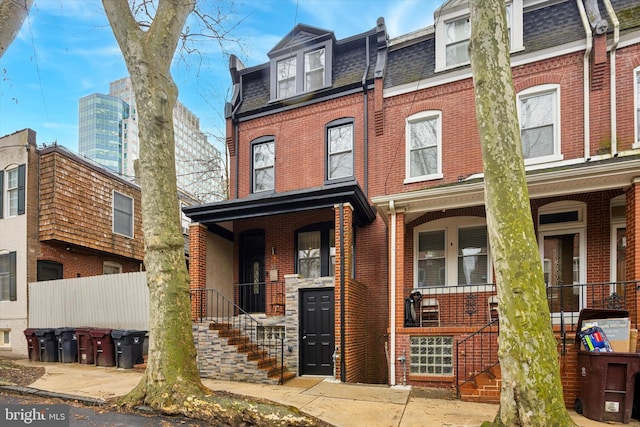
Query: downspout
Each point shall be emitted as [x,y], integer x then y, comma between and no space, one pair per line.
[392,293]
[342,315]
[612,89]
[236,136]
[366,122]
[585,78]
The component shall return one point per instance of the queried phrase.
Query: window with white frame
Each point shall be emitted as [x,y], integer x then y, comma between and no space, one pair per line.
[122,214]
[109,267]
[340,149]
[6,338]
[452,252]
[314,70]
[636,78]
[12,191]
[301,69]
[453,28]
[286,77]
[539,115]
[431,355]
[263,159]
[8,290]
[424,146]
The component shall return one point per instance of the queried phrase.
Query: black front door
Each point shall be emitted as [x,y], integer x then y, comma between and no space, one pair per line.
[251,292]
[317,336]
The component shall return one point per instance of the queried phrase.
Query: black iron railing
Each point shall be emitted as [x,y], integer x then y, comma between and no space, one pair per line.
[477,353]
[262,343]
[261,297]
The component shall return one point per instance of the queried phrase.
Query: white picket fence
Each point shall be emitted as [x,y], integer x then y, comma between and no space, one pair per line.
[115,301]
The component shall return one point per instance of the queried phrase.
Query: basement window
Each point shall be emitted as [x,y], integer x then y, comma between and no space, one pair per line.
[270,333]
[431,355]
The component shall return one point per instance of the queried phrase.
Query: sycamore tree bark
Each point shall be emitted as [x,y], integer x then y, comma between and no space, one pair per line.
[531,393]
[12,15]
[172,372]
[171,383]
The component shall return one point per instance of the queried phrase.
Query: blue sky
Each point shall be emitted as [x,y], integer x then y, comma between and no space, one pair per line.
[66,50]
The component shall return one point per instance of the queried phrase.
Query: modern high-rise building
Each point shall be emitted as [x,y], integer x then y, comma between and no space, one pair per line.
[200,169]
[101,119]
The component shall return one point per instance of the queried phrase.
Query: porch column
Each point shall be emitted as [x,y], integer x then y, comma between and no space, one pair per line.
[396,290]
[633,250]
[342,274]
[198,269]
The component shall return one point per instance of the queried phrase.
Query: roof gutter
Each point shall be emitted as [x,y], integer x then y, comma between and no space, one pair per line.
[366,122]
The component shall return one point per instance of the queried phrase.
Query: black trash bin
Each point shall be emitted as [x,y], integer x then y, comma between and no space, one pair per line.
[48,344]
[128,345]
[33,345]
[607,379]
[67,345]
[85,345]
[103,352]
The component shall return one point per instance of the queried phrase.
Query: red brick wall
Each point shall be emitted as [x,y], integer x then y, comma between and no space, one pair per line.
[197,268]
[627,59]
[82,262]
[300,147]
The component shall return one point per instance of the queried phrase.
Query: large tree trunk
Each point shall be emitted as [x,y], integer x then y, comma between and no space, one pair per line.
[531,392]
[12,15]
[172,371]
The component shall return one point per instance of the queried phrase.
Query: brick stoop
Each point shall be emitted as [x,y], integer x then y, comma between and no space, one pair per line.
[485,388]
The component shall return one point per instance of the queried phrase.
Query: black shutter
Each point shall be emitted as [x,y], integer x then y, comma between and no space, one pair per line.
[21,178]
[1,193]
[12,277]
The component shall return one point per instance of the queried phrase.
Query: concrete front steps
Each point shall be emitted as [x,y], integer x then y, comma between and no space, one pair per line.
[225,353]
[484,388]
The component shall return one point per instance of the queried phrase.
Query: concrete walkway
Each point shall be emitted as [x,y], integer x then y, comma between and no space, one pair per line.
[337,403]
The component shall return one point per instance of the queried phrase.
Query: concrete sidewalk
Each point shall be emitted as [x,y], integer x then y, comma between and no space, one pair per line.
[337,403]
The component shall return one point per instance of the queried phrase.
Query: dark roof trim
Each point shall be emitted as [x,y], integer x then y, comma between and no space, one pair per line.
[281,203]
[281,106]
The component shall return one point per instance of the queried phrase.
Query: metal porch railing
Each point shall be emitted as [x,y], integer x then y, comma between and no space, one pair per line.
[477,353]
[262,343]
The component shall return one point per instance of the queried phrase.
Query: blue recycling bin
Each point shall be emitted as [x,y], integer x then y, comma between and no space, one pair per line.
[48,344]
[67,345]
[128,347]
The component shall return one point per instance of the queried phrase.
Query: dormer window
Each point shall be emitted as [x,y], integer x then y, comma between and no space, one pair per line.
[453,29]
[301,62]
[314,70]
[287,77]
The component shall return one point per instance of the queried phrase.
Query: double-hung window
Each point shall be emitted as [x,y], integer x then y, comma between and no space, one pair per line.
[340,149]
[452,251]
[12,191]
[636,86]
[314,70]
[286,70]
[453,29]
[8,277]
[263,159]
[122,214]
[539,123]
[424,146]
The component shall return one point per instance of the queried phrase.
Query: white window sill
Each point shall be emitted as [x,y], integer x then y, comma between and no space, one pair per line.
[459,289]
[545,159]
[431,177]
